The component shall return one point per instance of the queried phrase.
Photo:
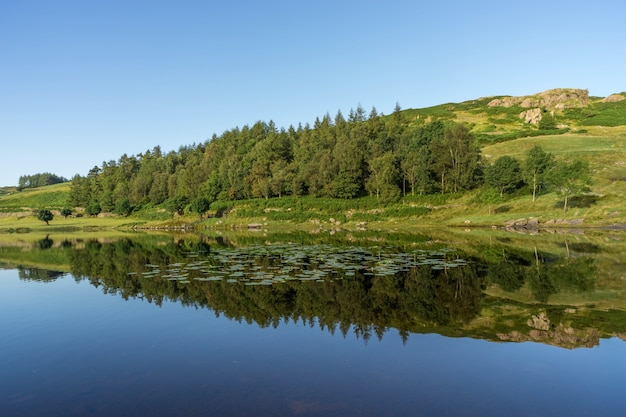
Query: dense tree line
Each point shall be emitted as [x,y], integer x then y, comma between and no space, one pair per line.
[39,180]
[339,157]
[363,154]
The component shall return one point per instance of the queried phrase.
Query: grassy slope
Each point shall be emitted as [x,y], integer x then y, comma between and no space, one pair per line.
[53,197]
[603,147]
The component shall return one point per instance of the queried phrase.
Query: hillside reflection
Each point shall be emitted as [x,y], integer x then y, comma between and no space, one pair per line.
[503,294]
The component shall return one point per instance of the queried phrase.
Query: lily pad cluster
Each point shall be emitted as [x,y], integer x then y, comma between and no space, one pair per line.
[275,264]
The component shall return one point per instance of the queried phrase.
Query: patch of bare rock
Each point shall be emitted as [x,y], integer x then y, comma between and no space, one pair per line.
[556,99]
[613,98]
[532,224]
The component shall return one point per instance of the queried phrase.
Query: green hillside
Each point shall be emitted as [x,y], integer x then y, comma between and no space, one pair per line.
[51,197]
[346,171]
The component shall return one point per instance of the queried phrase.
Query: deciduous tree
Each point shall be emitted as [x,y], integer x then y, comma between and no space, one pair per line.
[66,212]
[200,205]
[93,209]
[45,216]
[123,207]
[455,158]
[570,178]
[505,174]
[537,163]
[383,178]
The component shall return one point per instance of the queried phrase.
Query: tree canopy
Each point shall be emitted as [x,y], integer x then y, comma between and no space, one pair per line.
[39,180]
[336,157]
[45,216]
[537,164]
[505,174]
[570,178]
[200,205]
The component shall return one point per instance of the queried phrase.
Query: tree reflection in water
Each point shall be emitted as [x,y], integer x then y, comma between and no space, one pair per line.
[362,289]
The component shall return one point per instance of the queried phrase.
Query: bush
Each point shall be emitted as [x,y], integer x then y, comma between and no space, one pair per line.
[547,122]
[526,133]
[221,207]
[600,114]
[200,206]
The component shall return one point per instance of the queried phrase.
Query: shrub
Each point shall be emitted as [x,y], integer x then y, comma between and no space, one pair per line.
[547,122]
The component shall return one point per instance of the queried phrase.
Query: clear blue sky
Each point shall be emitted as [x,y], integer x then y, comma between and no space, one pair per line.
[82,82]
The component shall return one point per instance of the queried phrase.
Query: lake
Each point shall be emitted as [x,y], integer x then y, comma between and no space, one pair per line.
[290,324]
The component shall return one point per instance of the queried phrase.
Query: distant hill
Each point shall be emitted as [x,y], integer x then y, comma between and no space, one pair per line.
[7,190]
[50,196]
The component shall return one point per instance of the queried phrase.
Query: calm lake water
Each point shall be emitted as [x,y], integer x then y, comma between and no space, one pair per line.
[292,326]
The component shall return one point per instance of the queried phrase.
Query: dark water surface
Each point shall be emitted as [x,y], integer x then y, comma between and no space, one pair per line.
[127,341]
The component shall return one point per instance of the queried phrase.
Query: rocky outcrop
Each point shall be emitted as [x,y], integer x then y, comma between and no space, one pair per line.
[540,322]
[613,98]
[557,99]
[532,224]
[532,116]
[564,222]
[528,225]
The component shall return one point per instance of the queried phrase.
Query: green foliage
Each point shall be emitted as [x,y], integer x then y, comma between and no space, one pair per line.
[383,179]
[537,164]
[340,159]
[200,205]
[489,195]
[123,207]
[547,122]
[150,212]
[523,133]
[455,159]
[53,197]
[93,209]
[380,284]
[505,174]
[45,216]
[570,178]
[501,115]
[599,114]
[7,190]
[177,204]
[221,207]
[442,111]
[66,212]
[39,180]
[416,151]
